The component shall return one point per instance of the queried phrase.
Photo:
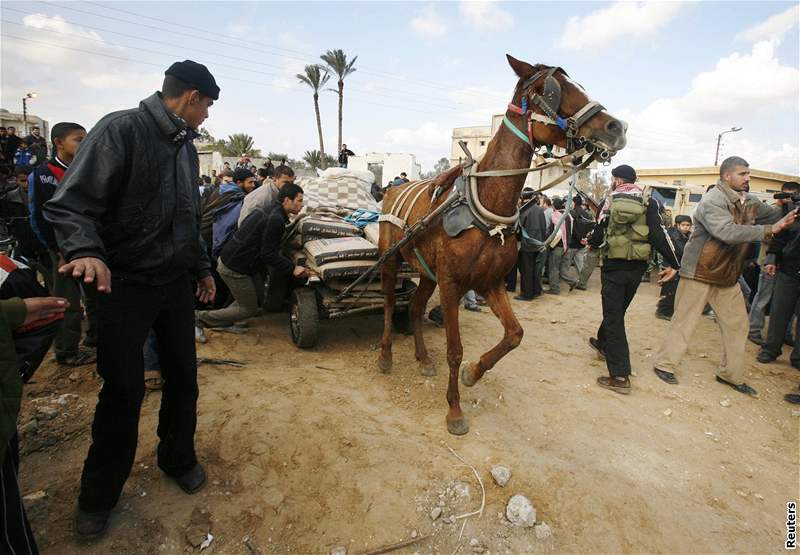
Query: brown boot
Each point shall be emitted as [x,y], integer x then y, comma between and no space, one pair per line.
[615,383]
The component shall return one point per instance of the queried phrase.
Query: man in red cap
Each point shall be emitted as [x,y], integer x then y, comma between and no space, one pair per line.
[126,217]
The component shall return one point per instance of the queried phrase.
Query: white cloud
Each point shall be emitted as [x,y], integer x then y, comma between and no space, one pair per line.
[773,28]
[621,19]
[479,104]
[486,16]
[429,135]
[428,24]
[292,41]
[743,90]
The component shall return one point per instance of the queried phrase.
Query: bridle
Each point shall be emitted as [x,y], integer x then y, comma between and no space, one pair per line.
[549,102]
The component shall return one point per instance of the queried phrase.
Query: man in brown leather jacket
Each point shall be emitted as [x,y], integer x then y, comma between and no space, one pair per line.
[726,221]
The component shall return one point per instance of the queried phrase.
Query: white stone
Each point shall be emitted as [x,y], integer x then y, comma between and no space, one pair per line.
[414,534]
[461,489]
[542,531]
[725,403]
[520,511]
[436,512]
[341,550]
[501,475]
[668,412]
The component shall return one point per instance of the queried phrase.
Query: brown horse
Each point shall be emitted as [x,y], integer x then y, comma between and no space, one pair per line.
[474,260]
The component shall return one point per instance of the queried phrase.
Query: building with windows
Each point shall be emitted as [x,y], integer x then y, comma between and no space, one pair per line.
[386,165]
[14,119]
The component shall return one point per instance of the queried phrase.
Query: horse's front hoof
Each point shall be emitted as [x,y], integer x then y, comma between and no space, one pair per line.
[457,426]
[384,365]
[428,369]
[466,379]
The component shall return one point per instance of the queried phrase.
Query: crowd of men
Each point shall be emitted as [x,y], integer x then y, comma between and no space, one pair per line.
[124,230]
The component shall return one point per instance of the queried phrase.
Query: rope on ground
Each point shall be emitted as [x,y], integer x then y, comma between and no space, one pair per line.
[479,512]
[396,546]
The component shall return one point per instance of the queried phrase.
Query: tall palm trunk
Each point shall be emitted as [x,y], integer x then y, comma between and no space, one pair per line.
[341,96]
[319,130]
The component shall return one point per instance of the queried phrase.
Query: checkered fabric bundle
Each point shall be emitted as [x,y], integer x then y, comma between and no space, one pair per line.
[342,194]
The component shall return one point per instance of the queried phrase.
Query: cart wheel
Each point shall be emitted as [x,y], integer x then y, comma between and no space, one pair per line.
[304,317]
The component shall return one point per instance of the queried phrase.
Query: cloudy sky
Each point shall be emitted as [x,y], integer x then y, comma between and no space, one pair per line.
[678,72]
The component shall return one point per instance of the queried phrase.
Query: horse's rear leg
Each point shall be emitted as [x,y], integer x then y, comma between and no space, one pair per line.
[388,279]
[456,422]
[418,303]
[497,299]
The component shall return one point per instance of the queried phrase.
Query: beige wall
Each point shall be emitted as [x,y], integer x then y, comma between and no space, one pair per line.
[761,181]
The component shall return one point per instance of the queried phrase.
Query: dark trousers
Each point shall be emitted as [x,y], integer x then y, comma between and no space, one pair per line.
[69,334]
[531,281]
[511,277]
[125,316]
[618,289]
[666,304]
[16,535]
[784,306]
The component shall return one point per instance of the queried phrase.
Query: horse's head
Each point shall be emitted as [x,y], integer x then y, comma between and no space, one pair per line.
[561,113]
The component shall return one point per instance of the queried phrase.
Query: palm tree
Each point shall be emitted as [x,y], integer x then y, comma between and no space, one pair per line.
[337,63]
[316,159]
[240,144]
[316,77]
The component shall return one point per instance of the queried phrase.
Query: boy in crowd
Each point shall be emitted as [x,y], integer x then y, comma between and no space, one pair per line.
[25,157]
[679,234]
[42,185]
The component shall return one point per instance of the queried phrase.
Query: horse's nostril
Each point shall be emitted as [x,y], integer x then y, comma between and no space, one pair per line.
[614,127]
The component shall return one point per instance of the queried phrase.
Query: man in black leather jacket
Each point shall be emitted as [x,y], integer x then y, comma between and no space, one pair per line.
[126,217]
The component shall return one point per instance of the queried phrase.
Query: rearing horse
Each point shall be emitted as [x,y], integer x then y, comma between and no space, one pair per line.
[547,109]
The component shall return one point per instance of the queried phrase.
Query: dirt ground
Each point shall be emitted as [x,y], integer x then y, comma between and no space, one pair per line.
[310,450]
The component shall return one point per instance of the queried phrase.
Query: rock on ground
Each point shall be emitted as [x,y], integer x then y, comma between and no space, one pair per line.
[520,511]
[501,475]
[339,551]
[436,512]
[542,531]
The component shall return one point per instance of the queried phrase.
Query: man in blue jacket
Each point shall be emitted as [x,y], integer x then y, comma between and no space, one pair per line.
[126,216]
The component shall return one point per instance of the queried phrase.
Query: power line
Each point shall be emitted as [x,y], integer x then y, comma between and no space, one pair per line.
[171,30]
[259,83]
[415,97]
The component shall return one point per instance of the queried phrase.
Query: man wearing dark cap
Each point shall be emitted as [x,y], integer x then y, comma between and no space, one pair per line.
[126,219]
[628,231]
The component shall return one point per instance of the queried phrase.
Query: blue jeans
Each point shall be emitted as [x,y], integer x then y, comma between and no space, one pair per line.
[766,285]
[150,353]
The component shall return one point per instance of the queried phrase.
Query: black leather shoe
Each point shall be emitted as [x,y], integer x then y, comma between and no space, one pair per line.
[792,398]
[522,298]
[668,377]
[741,388]
[764,357]
[91,525]
[595,344]
[193,481]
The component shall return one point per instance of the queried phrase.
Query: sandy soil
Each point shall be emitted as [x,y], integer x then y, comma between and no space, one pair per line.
[310,450]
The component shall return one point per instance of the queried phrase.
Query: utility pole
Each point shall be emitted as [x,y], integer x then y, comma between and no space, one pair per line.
[719,139]
[25,110]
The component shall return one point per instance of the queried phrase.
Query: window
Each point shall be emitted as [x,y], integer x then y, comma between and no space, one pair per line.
[483,143]
[695,197]
[665,196]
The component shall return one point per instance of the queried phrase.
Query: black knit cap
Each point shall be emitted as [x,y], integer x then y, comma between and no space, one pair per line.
[196,75]
[625,172]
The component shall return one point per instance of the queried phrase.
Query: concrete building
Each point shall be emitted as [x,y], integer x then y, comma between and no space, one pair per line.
[14,119]
[761,181]
[386,165]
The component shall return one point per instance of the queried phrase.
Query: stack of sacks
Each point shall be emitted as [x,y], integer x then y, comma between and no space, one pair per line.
[340,258]
[373,233]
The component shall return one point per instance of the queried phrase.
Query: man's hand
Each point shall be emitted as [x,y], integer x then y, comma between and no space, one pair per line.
[784,222]
[770,269]
[665,275]
[299,271]
[206,289]
[91,269]
[40,308]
